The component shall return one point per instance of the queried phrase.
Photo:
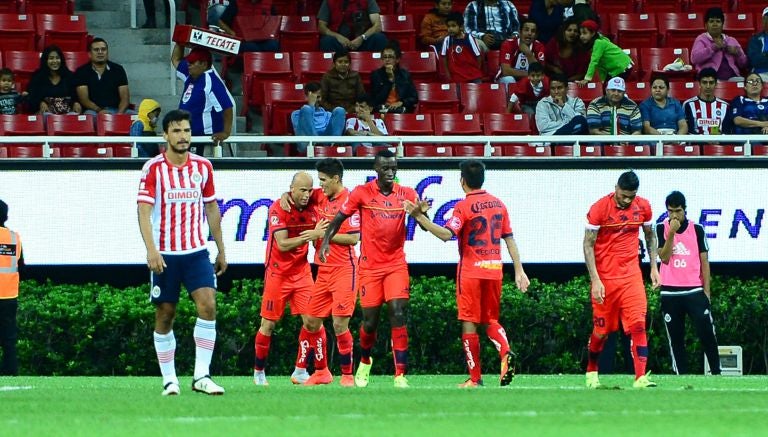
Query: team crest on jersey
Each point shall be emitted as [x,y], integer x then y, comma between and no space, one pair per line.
[458,49]
[187,93]
[354,220]
[274,220]
[197,177]
[156,291]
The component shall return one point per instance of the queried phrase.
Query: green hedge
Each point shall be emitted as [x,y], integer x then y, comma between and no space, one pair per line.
[100,330]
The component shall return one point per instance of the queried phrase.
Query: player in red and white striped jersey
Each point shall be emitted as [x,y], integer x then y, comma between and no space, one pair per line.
[176,190]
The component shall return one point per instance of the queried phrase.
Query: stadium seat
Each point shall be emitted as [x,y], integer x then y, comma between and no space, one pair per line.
[437,98]
[584,150]
[421,65]
[9,7]
[683,90]
[23,64]
[626,150]
[3,152]
[476,98]
[427,150]
[703,5]
[310,66]
[85,151]
[654,59]
[409,124]
[638,91]
[679,29]
[603,7]
[260,68]
[371,151]
[475,150]
[525,150]
[458,124]
[76,59]
[651,6]
[729,90]
[364,63]
[298,33]
[280,100]
[492,64]
[17,32]
[681,150]
[74,125]
[741,26]
[635,30]
[760,149]
[22,125]
[388,7]
[723,150]
[49,6]
[116,125]
[333,151]
[400,28]
[506,124]
[587,93]
[69,32]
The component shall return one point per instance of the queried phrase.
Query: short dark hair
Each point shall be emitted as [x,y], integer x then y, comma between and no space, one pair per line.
[311,87]
[174,116]
[473,173]
[95,40]
[706,72]
[394,45]
[675,199]
[330,166]
[343,53]
[714,13]
[658,76]
[3,213]
[557,77]
[456,17]
[535,67]
[364,98]
[629,181]
[6,72]
[384,153]
[529,20]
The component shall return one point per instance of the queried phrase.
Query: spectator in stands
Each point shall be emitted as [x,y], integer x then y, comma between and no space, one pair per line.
[460,53]
[526,93]
[705,113]
[51,88]
[662,115]
[351,25]
[565,54]
[313,120]
[491,22]
[365,123]
[340,85]
[560,114]
[392,88]
[102,85]
[581,10]
[750,111]
[433,27]
[716,50]
[548,16]
[9,97]
[149,8]
[255,21]
[205,96]
[518,53]
[614,113]
[215,9]
[144,126]
[757,50]
[607,60]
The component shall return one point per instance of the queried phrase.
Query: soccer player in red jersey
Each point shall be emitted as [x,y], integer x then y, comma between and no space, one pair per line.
[287,277]
[480,222]
[618,292]
[383,272]
[176,189]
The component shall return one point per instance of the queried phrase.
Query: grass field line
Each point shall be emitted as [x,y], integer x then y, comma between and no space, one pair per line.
[15,387]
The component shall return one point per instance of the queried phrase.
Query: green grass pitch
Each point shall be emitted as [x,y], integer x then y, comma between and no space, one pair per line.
[532,405]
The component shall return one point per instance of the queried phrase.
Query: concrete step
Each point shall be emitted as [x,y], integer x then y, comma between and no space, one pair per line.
[105,5]
[99,20]
[151,79]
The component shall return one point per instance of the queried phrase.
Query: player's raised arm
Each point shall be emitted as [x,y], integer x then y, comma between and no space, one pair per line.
[521,279]
[598,290]
[418,212]
[330,232]
[652,243]
[285,243]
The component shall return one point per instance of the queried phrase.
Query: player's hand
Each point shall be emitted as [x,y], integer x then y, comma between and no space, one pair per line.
[488,39]
[324,251]
[598,291]
[411,208]
[155,261]
[522,281]
[221,264]
[674,225]
[318,232]
[655,278]
[582,83]
[286,201]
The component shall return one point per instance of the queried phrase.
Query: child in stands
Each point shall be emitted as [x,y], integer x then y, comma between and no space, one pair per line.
[9,97]
[460,53]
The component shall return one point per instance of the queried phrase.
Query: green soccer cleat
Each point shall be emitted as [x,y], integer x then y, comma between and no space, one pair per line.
[363,371]
[644,382]
[507,369]
[401,381]
[592,380]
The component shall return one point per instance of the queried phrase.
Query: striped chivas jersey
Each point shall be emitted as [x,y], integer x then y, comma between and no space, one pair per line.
[702,115]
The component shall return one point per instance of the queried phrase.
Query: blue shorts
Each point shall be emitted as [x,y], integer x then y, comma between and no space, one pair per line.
[194,270]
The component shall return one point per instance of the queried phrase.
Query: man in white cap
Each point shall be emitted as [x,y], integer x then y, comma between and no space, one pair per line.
[614,113]
[757,50]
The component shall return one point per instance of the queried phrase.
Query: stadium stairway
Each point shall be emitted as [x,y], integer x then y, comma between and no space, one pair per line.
[144,53]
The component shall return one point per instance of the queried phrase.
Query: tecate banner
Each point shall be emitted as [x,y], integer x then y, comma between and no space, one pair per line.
[89,217]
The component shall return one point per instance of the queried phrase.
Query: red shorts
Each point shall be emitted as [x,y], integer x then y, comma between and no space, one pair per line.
[478,299]
[382,285]
[625,300]
[281,289]
[335,292]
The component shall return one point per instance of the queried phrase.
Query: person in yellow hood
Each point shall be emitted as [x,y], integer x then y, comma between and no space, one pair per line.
[144,126]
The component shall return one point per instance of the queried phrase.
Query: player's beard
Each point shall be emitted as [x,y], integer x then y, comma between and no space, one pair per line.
[180,150]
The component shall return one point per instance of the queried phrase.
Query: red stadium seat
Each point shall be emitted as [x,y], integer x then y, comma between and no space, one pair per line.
[9,7]
[681,150]
[722,150]
[635,30]
[22,125]
[280,100]
[651,6]
[371,151]
[75,59]
[17,32]
[683,90]
[74,125]
[654,59]
[587,93]
[49,6]
[364,63]
[492,64]
[3,152]
[525,150]
[85,151]
[638,91]
[388,7]
[741,26]
[427,150]
[333,151]
[23,64]
[437,98]
[603,7]
[298,33]
[703,5]
[260,68]
[458,124]
[760,149]
[475,150]
[117,125]
[476,98]
[69,32]
[421,65]
[401,29]
[409,124]
[626,150]
[729,90]
[584,150]
[506,124]
[310,66]
[679,29]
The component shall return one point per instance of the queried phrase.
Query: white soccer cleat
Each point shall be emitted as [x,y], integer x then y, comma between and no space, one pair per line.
[299,376]
[207,386]
[259,377]
[171,389]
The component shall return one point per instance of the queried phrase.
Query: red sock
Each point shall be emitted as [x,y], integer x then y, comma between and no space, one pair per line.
[400,349]
[344,344]
[639,348]
[367,340]
[319,340]
[262,350]
[471,345]
[499,337]
[305,344]
[595,346]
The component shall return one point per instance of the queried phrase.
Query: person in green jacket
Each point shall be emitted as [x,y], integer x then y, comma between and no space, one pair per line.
[608,59]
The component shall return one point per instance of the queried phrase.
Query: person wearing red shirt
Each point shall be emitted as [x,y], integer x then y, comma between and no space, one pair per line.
[175,191]
[288,277]
[518,53]
[526,93]
[383,274]
[461,54]
[480,222]
[618,292]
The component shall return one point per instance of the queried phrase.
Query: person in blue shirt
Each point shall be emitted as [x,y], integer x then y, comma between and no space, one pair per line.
[313,120]
[750,111]
[205,96]
[662,115]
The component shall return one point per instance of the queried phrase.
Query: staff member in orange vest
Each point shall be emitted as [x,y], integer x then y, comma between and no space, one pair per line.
[10,262]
